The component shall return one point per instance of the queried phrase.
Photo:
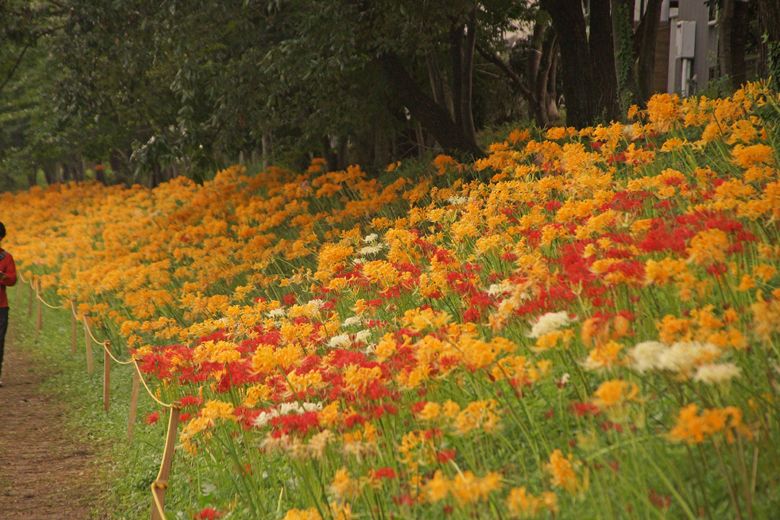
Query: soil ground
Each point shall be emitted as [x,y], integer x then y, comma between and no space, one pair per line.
[45,471]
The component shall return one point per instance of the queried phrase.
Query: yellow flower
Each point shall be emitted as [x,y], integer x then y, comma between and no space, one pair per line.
[562,472]
[467,488]
[766,316]
[708,247]
[330,259]
[358,378]
[437,488]
[444,162]
[672,144]
[694,428]
[217,410]
[342,486]
[381,273]
[430,411]
[747,156]
[603,355]
[524,505]
[663,271]
[478,415]
[615,392]
[303,514]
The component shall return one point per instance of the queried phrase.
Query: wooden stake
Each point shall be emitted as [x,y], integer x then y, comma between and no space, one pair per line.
[39,322]
[31,298]
[106,376]
[161,483]
[133,405]
[73,330]
[88,349]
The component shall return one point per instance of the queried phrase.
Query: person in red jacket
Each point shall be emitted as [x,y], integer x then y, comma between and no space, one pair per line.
[7,279]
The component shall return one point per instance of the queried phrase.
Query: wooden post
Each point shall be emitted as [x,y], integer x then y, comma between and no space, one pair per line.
[31,298]
[73,330]
[88,349]
[39,321]
[133,404]
[161,483]
[106,376]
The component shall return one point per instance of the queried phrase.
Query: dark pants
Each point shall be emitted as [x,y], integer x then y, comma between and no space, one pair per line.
[3,329]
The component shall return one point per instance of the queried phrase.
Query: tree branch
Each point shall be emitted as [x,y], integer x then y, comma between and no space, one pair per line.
[506,69]
[15,67]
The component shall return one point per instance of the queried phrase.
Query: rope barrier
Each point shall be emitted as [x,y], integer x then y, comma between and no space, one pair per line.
[61,306]
[148,390]
[160,484]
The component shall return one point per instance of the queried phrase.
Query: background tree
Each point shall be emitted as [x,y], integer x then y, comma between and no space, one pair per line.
[154,89]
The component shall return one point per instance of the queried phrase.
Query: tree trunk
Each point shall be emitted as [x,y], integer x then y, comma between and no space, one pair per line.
[50,173]
[267,153]
[456,56]
[467,78]
[541,24]
[552,86]
[603,55]
[331,155]
[741,26]
[434,118]
[725,32]
[646,54]
[623,44]
[578,84]
[100,175]
[543,76]
[769,26]
[435,79]
[119,170]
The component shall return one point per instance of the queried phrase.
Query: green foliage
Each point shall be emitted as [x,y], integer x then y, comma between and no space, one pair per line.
[163,88]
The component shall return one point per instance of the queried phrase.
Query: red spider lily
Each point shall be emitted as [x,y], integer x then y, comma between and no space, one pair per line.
[383,473]
[658,500]
[208,513]
[404,500]
[444,456]
[609,425]
[583,409]
[190,400]
[432,433]
[472,314]
[717,269]
[418,406]
[294,423]
[246,416]
[354,419]
[152,418]
[219,335]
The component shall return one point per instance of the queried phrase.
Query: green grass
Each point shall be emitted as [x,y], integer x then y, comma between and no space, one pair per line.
[125,469]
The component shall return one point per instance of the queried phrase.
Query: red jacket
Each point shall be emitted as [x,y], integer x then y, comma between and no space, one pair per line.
[7,275]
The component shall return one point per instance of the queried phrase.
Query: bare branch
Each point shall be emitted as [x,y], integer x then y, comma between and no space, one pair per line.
[11,73]
[506,69]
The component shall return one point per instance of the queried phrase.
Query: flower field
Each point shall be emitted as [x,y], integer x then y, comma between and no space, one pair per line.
[582,324]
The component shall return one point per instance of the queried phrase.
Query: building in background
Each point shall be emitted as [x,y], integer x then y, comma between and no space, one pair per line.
[693,45]
[686,51]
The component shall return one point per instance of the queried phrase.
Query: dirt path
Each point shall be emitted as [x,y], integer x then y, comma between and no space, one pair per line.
[44,472]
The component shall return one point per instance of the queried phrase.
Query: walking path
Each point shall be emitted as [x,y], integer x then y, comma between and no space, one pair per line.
[45,473]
